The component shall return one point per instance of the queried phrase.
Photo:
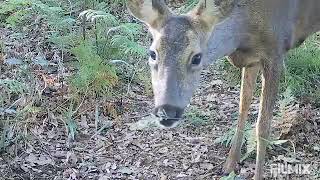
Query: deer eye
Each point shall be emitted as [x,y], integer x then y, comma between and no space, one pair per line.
[196,59]
[153,55]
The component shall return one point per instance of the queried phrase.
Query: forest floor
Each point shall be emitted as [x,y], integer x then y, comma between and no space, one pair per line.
[43,149]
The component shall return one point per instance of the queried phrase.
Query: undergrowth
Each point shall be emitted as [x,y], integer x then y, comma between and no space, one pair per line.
[93,36]
[90,37]
[302,74]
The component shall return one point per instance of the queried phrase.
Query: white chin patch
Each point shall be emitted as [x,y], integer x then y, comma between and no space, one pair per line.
[152,122]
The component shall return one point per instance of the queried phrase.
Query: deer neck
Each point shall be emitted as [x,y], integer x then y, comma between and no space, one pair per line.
[227,36]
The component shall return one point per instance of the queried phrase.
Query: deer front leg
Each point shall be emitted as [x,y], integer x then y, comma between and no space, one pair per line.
[270,83]
[249,76]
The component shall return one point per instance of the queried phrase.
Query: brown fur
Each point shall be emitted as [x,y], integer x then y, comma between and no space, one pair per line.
[261,32]
[274,28]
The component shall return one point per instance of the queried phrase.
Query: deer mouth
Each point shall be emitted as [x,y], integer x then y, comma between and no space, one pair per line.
[170,123]
[169,116]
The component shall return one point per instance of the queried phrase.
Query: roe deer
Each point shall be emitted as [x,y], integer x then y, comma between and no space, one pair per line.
[254,34]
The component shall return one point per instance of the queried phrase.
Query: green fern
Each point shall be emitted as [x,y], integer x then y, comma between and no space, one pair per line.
[103,37]
[251,143]
[127,29]
[94,15]
[65,42]
[126,46]
[14,12]
[227,138]
[94,76]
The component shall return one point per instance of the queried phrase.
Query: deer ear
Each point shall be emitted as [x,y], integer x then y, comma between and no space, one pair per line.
[151,12]
[211,12]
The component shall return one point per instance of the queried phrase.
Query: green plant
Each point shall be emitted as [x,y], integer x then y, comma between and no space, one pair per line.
[249,141]
[198,117]
[13,12]
[226,139]
[94,76]
[13,86]
[303,69]
[13,116]
[108,40]
[188,5]
[86,33]
[101,36]
[70,123]
[232,73]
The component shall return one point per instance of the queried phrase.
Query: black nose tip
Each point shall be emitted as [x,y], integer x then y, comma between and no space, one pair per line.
[169,114]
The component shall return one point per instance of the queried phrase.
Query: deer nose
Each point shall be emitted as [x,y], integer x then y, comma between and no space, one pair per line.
[169,114]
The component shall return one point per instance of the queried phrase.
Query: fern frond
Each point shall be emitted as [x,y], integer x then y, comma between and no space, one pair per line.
[93,15]
[127,46]
[94,74]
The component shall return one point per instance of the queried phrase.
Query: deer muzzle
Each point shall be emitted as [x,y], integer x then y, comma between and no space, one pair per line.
[170,115]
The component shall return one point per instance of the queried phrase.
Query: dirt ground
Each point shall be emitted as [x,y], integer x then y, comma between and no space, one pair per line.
[45,149]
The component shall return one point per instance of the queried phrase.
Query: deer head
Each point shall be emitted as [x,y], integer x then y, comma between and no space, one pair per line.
[178,50]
